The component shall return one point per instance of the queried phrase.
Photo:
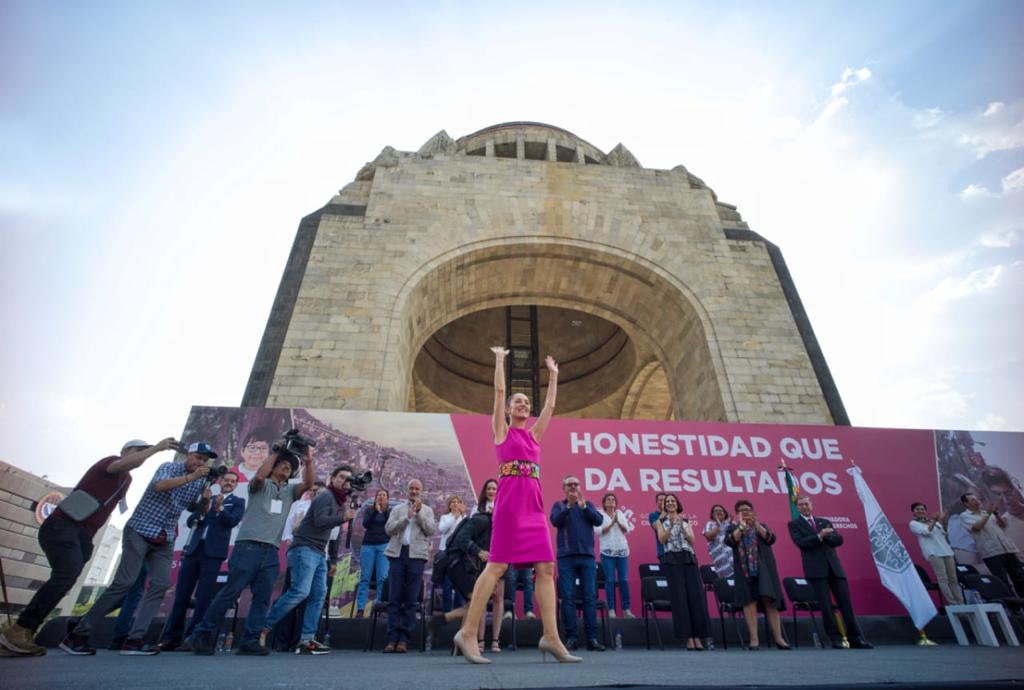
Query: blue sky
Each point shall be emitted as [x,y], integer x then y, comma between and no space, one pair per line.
[155,159]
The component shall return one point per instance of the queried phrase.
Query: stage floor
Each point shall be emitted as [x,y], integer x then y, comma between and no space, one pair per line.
[946,666]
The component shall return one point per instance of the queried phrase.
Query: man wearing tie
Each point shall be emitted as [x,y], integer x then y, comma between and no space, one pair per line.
[817,541]
[201,559]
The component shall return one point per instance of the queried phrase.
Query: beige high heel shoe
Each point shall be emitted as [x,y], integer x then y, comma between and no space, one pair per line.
[546,648]
[460,645]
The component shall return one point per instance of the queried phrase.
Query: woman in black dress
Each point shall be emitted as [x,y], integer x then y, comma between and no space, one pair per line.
[755,574]
[686,592]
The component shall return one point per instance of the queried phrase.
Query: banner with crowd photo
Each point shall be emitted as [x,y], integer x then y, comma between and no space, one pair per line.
[703,464]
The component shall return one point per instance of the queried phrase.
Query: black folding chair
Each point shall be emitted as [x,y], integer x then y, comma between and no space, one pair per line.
[929,584]
[801,595]
[652,570]
[725,596]
[962,571]
[708,575]
[654,598]
[994,590]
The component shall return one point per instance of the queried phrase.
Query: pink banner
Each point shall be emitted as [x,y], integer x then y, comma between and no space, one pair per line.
[706,463]
[702,463]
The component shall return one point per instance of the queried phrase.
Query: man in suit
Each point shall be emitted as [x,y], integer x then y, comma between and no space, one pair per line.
[817,541]
[202,557]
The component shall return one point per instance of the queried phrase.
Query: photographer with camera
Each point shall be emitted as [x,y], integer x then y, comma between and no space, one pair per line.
[203,554]
[148,538]
[66,536]
[307,560]
[253,562]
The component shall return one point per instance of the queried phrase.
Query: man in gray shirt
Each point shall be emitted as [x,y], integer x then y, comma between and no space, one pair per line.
[997,550]
[307,560]
[253,562]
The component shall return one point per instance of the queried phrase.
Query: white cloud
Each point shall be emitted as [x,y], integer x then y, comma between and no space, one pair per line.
[974,191]
[1014,182]
[993,108]
[976,282]
[927,118]
[992,422]
[837,101]
[998,239]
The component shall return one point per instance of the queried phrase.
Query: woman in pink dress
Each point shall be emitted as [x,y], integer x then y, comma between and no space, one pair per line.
[519,526]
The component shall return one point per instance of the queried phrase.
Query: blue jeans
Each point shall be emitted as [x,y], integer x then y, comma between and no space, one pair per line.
[196,573]
[450,597]
[616,569]
[583,569]
[513,578]
[126,616]
[252,564]
[307,568]
[406,581]
[371,560]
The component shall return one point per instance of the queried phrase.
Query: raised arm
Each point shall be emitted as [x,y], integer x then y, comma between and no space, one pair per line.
[549,400]
[498,420]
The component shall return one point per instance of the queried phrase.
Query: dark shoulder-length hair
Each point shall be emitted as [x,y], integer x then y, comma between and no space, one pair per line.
[481,500]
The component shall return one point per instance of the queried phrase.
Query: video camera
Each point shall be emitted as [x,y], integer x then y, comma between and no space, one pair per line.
[293,447]
[359,483]
[216,472]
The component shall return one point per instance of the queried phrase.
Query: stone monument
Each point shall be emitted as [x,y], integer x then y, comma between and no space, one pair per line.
[656,298]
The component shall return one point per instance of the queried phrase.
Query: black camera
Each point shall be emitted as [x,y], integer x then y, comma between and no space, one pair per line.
[216,472]
[358,483]
[293,447]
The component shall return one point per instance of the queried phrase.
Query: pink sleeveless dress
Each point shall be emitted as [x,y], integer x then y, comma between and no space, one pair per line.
[519,525]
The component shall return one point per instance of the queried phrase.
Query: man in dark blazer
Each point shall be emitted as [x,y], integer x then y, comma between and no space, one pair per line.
[201,559]
[817,541]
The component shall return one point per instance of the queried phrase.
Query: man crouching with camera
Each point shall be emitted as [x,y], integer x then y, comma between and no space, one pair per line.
[307,560]
[253,562]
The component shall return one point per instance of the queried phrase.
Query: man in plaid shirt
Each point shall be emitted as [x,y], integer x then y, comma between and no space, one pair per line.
[148,538]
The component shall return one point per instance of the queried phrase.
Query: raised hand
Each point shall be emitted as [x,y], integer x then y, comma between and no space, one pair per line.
[499,351]
[169,442]
[551,364]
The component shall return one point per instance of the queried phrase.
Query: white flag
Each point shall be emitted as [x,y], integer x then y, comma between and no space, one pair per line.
[891,558]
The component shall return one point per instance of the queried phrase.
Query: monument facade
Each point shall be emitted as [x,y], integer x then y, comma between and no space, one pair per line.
[656,297]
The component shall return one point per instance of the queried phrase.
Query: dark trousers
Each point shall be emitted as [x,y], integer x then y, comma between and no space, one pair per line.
[405,576]
[126,616]
[686,593]
[196,573]
[1007,567]
[841,591]
[68,547]
[252,564]
[513,577]
[584,569]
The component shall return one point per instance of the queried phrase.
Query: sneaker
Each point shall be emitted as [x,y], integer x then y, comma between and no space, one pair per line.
[312,647]
[138,647]
[20,640]
[76,645]
[531,616]
[628,614]
[117,642]
[252,649]
[507,616]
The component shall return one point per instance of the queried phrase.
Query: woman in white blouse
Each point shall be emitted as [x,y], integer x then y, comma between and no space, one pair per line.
[611,536]
[931,537]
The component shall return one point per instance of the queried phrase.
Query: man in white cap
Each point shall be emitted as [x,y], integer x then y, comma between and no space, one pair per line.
[148,538]
[67,540]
